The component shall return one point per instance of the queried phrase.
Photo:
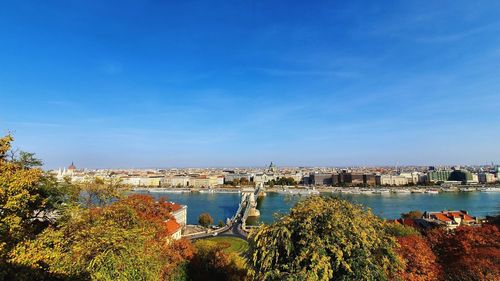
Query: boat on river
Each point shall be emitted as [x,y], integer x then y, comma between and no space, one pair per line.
[489,189]
[401,191]
[381,191]
[432,191]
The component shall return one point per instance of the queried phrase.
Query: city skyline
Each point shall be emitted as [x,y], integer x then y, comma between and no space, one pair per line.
[197,84]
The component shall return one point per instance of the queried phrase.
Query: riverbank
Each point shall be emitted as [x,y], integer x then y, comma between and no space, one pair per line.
[305,190]
[222,206]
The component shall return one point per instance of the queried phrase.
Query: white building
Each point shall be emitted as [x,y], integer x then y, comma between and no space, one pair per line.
[393,180]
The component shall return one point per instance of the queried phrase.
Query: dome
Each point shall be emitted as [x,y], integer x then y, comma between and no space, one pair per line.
[72,166]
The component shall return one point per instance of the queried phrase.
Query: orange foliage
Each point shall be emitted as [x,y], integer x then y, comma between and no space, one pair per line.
[420,262]
[148,209]
[174,253]
[468,253]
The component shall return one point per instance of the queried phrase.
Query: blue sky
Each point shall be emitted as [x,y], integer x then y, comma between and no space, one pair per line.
[240,83]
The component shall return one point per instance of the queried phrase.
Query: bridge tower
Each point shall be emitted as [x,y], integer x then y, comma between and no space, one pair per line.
[254,212]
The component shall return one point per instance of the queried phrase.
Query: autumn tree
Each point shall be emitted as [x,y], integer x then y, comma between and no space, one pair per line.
[205,219]
[468,253]
[323,239]
[28,200]
[418,261]
[126,240]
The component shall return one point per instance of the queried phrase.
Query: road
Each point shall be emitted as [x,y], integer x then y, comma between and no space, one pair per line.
[233,230]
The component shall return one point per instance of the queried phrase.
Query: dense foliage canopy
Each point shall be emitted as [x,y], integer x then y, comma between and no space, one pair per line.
[212,261]
[324,239]
[468,253]
[126,240]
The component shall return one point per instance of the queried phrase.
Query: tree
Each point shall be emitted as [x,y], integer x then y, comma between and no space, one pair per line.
[323,239]
[399,230]
[99,192]
[213,262]
[244,181]
[205,219]
[419,262]
[28,201]
[126,240]
[468,253]
[412,215]
[27,160]
[220,223]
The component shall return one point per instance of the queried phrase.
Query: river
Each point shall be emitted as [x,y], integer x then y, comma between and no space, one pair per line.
[390,206]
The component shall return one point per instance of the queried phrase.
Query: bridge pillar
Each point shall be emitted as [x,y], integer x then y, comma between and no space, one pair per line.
[253,212]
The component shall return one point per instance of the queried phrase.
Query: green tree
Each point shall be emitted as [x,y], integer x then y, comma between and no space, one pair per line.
[323,239]
[399,230]
[27,160]
[99,192]
[205,219]
[212,261]
[412,215]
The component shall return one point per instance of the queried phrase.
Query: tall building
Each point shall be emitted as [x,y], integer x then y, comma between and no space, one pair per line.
[321,179]
[437,176]
[461,175]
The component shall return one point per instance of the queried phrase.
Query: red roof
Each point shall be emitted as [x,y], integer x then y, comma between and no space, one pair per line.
[72,166]
[450,215]
[441,217]
[468,218]
[172,226]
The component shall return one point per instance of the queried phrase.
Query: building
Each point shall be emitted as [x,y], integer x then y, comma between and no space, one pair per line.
[145,181]
[178,221]
[462,176]
[204,181]
[179,212]
[486,178]
[413,177]
[177,181]
[451,219]
[438,176]
[271,168]
[392,180]
[357,179]
[232,176]
[321,179]
[370,180]
[174,229]
[261,179]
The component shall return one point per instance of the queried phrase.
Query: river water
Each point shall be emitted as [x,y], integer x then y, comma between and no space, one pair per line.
[390,206]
